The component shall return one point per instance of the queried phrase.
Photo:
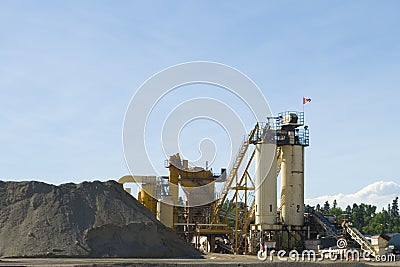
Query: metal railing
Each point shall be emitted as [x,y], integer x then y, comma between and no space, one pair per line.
[233,170]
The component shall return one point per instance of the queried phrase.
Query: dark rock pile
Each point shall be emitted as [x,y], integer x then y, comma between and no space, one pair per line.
[91,219]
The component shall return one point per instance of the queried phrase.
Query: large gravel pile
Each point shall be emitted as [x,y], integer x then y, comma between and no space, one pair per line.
[91,219]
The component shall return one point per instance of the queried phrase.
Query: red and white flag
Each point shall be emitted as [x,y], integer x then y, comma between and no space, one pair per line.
[306,100]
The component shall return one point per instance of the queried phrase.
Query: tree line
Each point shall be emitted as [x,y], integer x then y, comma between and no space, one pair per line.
[365,216]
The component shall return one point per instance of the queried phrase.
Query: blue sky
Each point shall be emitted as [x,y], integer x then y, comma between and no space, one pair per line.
[69,69]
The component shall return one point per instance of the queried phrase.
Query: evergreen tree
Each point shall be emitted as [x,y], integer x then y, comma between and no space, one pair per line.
[348,209]
[318,207]
[365,218]
[356,216]
[395,207]
[326,207]
[337,212]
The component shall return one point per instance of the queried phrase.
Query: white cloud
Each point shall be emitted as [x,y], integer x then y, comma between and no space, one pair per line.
[379,194]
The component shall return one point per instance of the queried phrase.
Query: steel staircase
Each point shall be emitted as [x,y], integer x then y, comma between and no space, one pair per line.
[233,171]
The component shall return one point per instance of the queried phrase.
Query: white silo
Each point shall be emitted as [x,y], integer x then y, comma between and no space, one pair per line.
[266,183]
[292,141]
[292,194]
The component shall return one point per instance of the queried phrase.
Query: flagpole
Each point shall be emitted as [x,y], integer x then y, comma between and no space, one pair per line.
[305,101]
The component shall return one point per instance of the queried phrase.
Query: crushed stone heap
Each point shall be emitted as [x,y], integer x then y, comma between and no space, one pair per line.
[91,219]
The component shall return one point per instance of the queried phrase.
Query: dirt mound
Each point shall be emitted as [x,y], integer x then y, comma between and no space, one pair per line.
[91,219]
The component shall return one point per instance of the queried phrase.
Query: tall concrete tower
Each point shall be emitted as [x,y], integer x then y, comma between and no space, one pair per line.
[292,137]
[266,182]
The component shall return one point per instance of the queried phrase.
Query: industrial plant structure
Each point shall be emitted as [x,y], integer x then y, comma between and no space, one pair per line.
[237,211]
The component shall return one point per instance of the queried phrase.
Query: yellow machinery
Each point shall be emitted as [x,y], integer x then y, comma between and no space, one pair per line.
[278,148]
[147,190]
[196,182]
[198,187]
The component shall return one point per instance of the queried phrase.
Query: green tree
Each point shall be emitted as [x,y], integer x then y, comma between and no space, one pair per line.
[366,219]
[334,204]
[337,212]
[357,216]
[362,214]
[395,207]
[378,225]
[348,209]
[326,207]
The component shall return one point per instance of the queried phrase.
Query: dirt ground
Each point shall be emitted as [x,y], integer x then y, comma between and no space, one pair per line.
[219,260]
